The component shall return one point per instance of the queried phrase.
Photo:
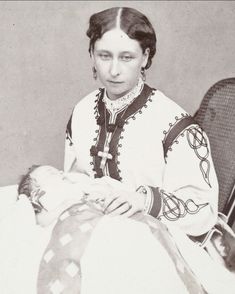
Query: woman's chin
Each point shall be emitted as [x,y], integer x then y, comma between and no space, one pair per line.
[116,93]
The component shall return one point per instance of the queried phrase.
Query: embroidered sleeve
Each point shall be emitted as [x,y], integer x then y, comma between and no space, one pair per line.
[189,192]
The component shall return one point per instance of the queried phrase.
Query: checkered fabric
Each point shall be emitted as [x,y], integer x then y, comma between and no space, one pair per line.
[60,271]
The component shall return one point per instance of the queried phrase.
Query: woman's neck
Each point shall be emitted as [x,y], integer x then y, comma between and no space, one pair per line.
[118,103]
[127,93]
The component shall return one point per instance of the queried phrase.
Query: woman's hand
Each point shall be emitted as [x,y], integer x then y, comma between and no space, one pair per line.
[117,202]
[125,203]
[115,197]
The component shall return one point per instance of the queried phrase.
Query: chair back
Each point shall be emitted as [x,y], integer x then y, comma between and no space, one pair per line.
[216,115]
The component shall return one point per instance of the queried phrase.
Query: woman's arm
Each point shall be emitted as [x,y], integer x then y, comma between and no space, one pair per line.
[188,196]
[189,193]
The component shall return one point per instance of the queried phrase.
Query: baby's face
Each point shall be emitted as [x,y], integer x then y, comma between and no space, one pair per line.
[52,184]
[47,175]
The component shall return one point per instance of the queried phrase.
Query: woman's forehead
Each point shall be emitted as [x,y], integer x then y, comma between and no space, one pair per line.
[117,40]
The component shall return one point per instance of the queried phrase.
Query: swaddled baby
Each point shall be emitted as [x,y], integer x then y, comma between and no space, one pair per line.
[51,191]
[64,198]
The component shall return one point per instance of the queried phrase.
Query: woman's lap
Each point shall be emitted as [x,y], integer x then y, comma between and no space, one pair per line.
[60,270]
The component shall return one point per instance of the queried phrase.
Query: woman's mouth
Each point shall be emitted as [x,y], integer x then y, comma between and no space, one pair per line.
[115,82]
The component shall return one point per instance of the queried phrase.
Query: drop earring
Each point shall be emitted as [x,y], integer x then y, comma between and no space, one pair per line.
[143,75]
[94,71]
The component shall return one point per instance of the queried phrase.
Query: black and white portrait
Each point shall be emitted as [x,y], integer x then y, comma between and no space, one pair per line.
[117,147]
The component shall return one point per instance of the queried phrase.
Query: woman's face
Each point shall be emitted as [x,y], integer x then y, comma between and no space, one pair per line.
[118,60]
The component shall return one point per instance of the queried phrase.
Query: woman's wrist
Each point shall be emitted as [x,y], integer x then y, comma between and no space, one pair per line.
[147,195]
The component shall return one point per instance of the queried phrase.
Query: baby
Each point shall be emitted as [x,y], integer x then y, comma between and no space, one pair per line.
[63,198]
[51,192]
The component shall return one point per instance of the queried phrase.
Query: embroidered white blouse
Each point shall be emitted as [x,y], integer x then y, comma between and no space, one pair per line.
[126,144]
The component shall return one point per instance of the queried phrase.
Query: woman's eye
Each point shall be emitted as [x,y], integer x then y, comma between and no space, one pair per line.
[104,56]
[126,58]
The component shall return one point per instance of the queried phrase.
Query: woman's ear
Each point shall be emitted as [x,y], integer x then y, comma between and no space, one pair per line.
[92,56]
[93,61]
[145,57]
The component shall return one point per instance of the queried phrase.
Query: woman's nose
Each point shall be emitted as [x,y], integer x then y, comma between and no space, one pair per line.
[115,68]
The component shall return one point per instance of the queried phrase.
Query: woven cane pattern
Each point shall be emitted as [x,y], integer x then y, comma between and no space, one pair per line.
[216,116]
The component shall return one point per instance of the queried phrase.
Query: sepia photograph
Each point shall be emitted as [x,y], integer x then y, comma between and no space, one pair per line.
[117,170]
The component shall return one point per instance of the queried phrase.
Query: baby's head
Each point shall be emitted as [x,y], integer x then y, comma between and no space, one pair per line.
[36,182]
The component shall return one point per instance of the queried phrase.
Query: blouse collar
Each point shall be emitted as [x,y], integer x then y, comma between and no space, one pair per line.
[122,102]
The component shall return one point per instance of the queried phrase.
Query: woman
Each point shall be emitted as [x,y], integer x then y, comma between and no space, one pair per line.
[120,130]
[158,158]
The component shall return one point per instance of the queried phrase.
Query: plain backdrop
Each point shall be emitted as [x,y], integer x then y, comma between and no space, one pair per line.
[45,68]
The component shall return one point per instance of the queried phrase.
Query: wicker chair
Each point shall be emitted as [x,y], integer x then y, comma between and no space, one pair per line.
[216,115]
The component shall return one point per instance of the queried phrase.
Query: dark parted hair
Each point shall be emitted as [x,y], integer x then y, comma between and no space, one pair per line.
[135,24]
[29,187]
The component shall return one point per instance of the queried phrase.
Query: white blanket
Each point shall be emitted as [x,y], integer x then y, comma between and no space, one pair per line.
[129,261]
[133,261]
[22,243]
